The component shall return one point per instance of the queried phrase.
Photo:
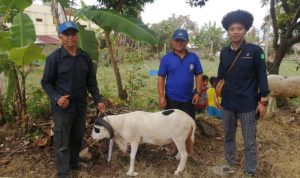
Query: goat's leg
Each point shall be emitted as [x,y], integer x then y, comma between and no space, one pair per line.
[270,100]
[183,156]
[272,104]
[134,148]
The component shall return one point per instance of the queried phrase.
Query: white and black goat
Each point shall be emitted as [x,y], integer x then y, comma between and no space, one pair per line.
[159,128]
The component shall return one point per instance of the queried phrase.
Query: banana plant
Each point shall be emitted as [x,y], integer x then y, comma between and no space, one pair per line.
[110,20]
[18,51]
[88,42]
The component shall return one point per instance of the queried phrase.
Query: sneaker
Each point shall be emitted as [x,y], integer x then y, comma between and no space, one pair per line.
[78,166]
[223,168]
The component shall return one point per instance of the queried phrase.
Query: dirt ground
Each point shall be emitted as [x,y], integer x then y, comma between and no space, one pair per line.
[277,137]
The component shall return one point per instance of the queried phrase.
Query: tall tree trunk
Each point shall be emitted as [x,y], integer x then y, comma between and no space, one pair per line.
[266,40]
[24,113]
[121,92]
[2,89]
[280,52]
[20,106]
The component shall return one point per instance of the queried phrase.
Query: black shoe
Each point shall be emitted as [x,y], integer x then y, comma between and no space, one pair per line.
[78,166]
[248,175]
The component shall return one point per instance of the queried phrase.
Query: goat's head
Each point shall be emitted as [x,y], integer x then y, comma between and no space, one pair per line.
[102,129]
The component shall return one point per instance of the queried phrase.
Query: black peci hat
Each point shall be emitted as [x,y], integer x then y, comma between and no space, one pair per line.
[238,16]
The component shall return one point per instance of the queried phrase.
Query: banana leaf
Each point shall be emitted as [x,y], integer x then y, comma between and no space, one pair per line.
[19,5]
[88,42]
[110,20]
[4,41]
[26,55]
[22,30]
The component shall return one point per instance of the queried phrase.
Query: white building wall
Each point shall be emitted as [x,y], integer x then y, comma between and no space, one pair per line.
[42,19]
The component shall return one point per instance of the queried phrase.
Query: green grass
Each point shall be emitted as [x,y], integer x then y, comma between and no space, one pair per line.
[146,95]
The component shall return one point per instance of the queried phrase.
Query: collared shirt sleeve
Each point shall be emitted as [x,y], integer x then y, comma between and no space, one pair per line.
[260,64]
[162,71]
[92,83]
[198,66]
[48,79]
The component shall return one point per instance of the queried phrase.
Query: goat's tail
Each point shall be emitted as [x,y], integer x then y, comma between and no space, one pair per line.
[190,140]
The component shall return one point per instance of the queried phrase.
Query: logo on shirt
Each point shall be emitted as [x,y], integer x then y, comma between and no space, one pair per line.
[192,67]
[262,56]
[247,56]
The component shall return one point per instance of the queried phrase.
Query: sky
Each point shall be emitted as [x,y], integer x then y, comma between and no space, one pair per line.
[213,11]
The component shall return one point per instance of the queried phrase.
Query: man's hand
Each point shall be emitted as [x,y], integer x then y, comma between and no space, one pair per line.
[162,102]
[63,101]
[101,107]
[262,109]
[196,98]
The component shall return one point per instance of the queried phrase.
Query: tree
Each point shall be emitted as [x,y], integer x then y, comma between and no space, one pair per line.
[284,15]
[17,52]
[285,24]
[253,36]
[165,28]
[195,3]
[128,7]
[209,38]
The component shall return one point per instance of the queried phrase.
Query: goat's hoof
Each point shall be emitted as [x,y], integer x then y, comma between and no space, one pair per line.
[177,172]
[177,156]
[132,173]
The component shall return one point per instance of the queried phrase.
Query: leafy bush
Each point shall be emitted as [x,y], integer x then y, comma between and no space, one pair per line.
[38,103]
[136,80]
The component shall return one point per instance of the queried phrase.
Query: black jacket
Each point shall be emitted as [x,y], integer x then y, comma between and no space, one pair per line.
[247,80]
[70,75]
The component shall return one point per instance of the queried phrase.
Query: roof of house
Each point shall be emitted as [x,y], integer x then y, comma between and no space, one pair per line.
[47,39]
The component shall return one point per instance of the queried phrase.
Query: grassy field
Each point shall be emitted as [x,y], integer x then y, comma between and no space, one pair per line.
[148,93]
[277,137]
[138,83]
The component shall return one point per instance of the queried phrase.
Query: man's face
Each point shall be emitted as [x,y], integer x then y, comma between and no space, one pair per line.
[236,32]
[69,38]
[179,44]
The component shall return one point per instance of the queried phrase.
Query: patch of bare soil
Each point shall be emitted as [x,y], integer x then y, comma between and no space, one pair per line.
[277,138]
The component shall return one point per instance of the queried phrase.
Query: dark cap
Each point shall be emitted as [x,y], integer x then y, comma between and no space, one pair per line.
[67,25]
[181,34]
[239,16]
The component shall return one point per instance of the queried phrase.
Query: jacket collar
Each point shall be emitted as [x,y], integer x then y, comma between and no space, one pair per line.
[65,53]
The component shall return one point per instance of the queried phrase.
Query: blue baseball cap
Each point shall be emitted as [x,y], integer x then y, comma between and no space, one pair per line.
[67,25]
[181,34]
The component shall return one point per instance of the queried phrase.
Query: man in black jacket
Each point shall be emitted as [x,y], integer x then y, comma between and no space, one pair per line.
[245,91]
[68,75]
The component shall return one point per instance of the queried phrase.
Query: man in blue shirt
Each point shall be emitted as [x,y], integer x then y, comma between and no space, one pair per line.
[176,75]
[68,75]
[245,91]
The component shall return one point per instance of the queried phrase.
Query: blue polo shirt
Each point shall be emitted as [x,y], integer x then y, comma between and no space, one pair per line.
[247,80]
[180,75]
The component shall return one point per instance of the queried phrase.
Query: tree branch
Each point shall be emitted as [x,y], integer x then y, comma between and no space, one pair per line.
[296,15]
[285,6]
[294,40]
[274,24]
[120,5]
[294,24]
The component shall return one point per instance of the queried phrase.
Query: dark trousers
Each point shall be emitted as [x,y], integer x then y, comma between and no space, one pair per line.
[187,107]
[68,134]
[248,124]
